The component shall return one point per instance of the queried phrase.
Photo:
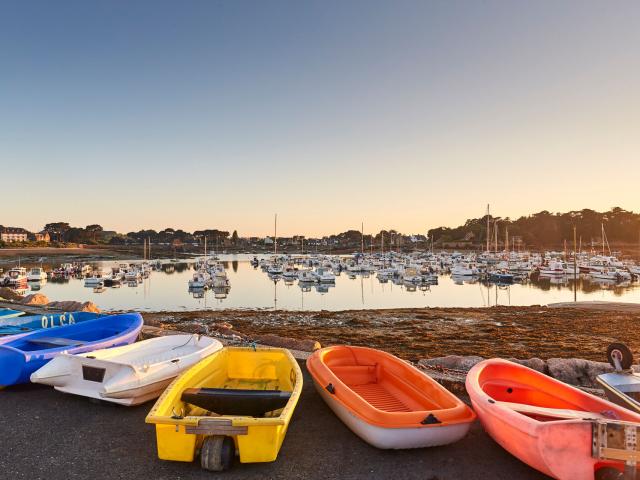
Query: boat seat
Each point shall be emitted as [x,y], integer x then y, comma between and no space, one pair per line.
[231,401]
[57,341]
[559,413]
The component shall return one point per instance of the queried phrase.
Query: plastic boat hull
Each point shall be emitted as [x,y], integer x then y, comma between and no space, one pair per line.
[385,401]
[394,438]
[9,328]
[182,427]
[545,423]
[23,356]
[128,375]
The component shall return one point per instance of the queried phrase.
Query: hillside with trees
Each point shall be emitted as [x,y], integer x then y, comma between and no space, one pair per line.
[545,229]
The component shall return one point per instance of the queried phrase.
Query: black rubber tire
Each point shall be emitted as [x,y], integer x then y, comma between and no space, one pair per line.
[609,473]
[622,352]
[217,453]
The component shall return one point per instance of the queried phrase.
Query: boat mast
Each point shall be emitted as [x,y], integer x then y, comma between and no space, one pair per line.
[275,235]
[575,267]
[362,239]
[488,228]
[506,239]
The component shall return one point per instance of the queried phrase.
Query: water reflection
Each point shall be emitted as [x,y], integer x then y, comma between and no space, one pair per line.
[166,289]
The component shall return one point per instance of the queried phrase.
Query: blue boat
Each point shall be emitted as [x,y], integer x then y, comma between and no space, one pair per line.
[503,278]
[26,354]
[21,325]
[9,313]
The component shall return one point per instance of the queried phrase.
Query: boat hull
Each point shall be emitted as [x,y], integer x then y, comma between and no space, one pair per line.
[394,438]
[543,422]
[21,357]
[11,327]
[180,435]
[128,375]
[387,402]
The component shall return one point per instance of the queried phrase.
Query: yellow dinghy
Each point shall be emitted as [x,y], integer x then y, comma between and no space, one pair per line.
[236,400]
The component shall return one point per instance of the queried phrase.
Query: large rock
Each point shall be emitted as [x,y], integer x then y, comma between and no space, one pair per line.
[533,363]
[10,294]
[71,306]
[35,299]
[304,345]
[89,307]
[194,327]
[452,362]
[577,371]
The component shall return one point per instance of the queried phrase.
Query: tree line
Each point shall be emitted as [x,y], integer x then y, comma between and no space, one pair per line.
[545,229]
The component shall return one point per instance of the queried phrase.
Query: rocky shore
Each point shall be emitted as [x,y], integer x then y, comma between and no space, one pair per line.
[415,334]
[40,300]
[565,343]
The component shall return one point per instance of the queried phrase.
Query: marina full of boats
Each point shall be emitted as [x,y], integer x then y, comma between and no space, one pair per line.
[302,282]
[224,405]
[424,268]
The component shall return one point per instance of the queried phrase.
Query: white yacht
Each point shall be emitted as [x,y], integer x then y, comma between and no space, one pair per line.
[36,274]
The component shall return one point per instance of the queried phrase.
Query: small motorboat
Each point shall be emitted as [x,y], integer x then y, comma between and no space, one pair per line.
[386,401]
[36,274]
[622,387]
[128,375]
[236,400]
[21,357]
[553,427]
[25,324]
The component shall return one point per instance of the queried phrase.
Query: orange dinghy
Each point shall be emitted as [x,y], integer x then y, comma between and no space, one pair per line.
[555,428]
[386,401]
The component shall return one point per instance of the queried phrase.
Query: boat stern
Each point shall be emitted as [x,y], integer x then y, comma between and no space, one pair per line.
[55,373]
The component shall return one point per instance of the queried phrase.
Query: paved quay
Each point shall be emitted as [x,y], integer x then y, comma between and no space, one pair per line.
[54,436]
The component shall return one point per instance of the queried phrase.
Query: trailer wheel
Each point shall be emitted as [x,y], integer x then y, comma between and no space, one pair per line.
[217,453]
[620,353]
[609,473]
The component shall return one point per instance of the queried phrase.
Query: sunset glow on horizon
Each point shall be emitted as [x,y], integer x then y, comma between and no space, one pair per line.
[405,115]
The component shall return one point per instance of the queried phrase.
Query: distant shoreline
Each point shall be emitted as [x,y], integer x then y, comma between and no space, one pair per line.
[12,252]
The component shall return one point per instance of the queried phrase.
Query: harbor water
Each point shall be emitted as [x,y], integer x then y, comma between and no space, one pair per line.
[252,288]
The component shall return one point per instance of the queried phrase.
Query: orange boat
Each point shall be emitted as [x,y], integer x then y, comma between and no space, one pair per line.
[386,401]
[555,428]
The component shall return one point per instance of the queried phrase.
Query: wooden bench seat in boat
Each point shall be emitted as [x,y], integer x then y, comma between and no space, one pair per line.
[558,413]
[228,401]
[57,341]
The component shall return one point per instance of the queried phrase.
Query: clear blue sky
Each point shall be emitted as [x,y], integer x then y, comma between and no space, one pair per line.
[404,114]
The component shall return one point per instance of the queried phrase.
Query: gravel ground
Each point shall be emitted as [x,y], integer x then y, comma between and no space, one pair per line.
[50,435]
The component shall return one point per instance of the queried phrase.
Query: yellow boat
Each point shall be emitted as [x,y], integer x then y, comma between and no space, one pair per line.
[236,400]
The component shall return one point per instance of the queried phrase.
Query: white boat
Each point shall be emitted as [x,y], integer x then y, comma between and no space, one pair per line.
[16,277]
[463,270]
[95,281]
[290,272]
[36,274]
[128,375]
[132,275]
[307,276]
[324,275]
[608,274]
[200,279]
[275,269]
[552,268]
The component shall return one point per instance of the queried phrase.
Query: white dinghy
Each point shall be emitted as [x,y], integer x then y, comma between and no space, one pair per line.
[128,375]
